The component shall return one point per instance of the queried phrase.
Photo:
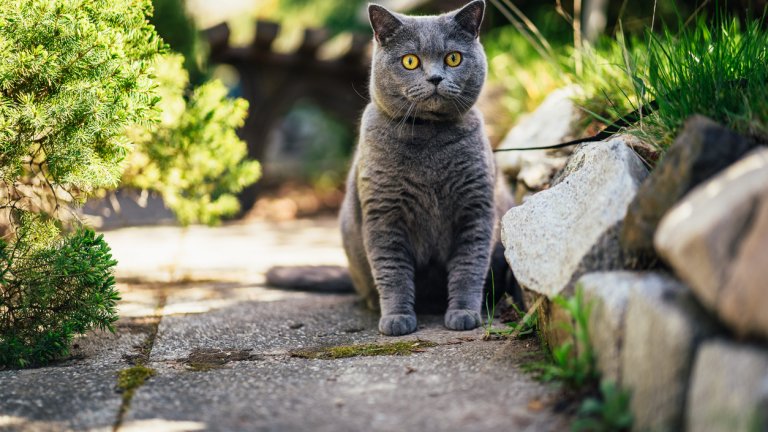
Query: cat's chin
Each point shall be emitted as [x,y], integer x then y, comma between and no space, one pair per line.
[438,116]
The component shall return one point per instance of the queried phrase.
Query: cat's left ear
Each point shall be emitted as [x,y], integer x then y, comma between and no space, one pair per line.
[470,17]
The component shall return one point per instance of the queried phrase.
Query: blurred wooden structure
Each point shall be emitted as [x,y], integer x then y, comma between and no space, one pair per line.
[273,82]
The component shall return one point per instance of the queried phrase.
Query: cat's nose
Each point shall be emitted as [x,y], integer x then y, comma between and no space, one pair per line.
[435,79]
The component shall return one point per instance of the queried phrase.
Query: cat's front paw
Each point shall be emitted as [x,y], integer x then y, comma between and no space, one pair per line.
[462,319]
[397,325]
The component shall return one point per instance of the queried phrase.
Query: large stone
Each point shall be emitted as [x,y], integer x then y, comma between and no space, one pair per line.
[744,297]
[702,149]
[547,237]
[551,123]
[662,330]
[715,238]
[607,294]
[729,389]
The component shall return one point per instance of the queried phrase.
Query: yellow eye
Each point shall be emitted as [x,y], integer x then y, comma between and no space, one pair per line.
[453,59]
[410,61]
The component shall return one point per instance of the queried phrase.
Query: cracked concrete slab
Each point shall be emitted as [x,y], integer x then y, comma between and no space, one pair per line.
[222,351]
[445,388]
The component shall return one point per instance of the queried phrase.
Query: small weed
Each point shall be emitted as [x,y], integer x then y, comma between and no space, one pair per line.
[608,413]
[400,348]
[490,311]
[575,367]
[528,325]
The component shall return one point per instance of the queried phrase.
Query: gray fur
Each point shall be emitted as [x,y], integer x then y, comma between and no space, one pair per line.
[419,220]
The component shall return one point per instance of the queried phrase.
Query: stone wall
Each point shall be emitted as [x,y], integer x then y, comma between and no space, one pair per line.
[674,263]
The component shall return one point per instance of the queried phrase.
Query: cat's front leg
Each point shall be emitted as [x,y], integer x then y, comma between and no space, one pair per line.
[393,272]
[467,270]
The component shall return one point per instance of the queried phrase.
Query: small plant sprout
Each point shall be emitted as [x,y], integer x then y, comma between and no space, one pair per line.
[573,362]
[608,413]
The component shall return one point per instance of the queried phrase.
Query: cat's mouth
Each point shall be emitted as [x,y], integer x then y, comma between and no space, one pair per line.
[435,95]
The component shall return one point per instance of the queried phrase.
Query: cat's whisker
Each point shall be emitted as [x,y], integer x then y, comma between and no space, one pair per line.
[458,111]
[401,124]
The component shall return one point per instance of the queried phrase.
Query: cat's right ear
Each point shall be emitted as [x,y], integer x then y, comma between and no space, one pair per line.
[383,22]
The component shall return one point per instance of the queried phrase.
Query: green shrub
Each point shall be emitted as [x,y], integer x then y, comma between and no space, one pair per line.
[194,157]
[75,74]
[51,290]
[177,29]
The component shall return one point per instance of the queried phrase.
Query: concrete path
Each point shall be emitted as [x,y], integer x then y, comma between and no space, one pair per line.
[227,353]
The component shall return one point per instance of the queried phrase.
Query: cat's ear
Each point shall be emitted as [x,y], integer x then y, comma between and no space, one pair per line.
[470,17]
[383,22]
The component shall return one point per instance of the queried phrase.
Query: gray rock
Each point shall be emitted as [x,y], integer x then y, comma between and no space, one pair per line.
[607,294]
[551,123]
[702,149]
[705,235]
[743,300]
[547,237]
[729,389]
[662,330]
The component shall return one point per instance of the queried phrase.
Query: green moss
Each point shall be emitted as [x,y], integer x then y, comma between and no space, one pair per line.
[400,348]
[128,380]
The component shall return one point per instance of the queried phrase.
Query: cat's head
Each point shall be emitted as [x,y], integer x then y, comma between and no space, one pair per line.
[430,67]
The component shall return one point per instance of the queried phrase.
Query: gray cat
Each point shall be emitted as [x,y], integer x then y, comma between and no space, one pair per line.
[419,220]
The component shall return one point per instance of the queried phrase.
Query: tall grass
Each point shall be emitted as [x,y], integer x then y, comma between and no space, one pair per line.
[716,69]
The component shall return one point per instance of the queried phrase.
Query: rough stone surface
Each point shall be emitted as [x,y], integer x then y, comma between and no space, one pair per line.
[607,293]
[551,123]
[78,397]
[729,389]
[547,237]
[702,149]
[743,300]
[718,225]
[442,389]
[662,330]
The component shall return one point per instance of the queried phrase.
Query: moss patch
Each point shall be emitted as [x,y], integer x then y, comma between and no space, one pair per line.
[399,348]
[128,380]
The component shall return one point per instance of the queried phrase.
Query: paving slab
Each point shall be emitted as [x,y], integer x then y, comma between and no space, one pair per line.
[444,388]
[78,392]
[239,252]
[223,345]
[78,397]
